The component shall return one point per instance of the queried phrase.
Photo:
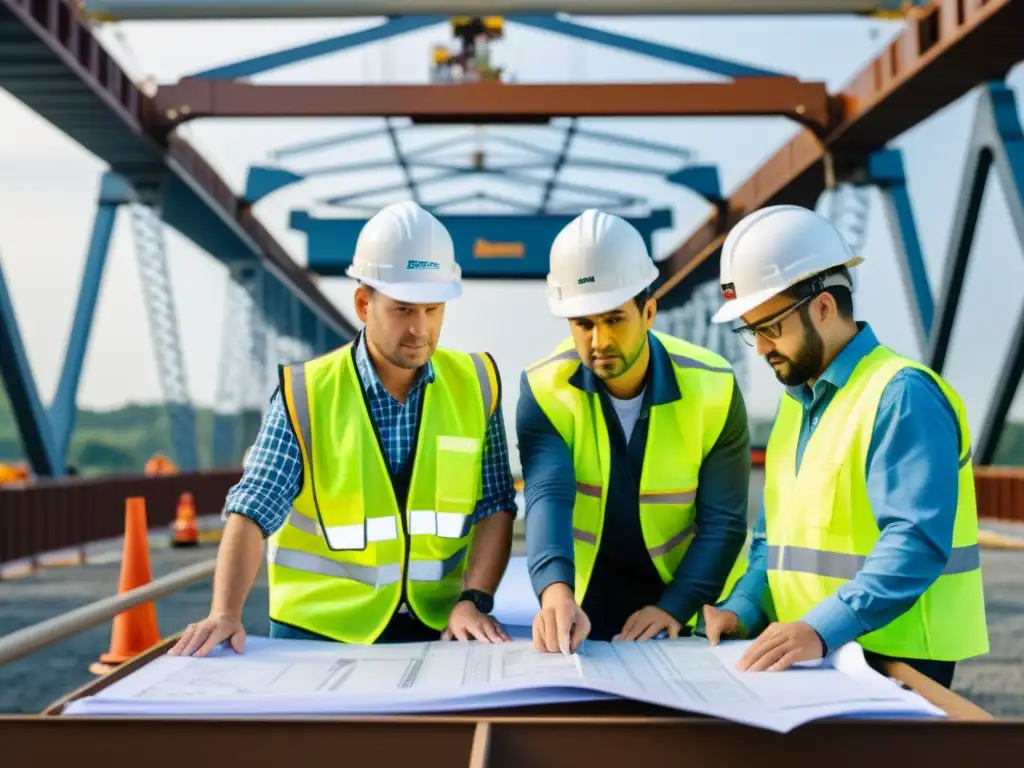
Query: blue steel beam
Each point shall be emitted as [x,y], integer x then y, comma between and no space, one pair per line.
[481,197]
[886,171]
[403,163]
[259,64]
[404,24]
[262,180]
[629,44]
[511,141]
[1004,138]
[997,141]
[158,292]
[114,192]
[702,179]
[556,168]
[331,142]
[979,159]
[47,432]
[512,247]
[611,196]
[629,141]
[232,369]
[33,423]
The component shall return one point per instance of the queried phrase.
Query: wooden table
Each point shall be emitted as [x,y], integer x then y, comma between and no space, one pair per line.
[581,735]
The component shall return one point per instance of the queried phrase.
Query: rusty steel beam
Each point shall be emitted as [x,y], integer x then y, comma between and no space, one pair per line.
[943,52]
[488,102]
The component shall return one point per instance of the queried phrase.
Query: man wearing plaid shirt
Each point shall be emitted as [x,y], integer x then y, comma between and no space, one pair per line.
[318,569]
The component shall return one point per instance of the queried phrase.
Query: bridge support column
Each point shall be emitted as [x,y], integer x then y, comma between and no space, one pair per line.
[997,141]
[233,372]
[29,414]
[885,169]
[154,272]
[114,192]
[46,433]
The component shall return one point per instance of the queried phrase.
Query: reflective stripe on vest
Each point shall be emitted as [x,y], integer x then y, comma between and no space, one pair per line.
[679,436]
[336,566]
[447,525]
[842,565]
[373,576]
[821,527]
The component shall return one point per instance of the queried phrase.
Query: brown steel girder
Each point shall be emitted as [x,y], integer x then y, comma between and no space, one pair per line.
[486,102]
[943,51]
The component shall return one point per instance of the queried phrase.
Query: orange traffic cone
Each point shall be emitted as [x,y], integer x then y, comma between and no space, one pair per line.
[186,532]
[135,630]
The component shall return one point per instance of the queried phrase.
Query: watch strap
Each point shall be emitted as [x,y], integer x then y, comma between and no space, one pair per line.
[483,601]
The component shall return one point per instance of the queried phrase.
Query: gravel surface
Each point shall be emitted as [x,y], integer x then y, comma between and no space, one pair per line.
[995,682]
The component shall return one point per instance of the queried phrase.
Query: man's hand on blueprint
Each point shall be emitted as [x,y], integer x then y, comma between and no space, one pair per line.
[648,623]
[780,646]
[466,622]
[199,639]
[560,625]
[719,624]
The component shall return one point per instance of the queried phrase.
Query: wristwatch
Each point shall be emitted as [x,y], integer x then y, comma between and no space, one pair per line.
[483,601]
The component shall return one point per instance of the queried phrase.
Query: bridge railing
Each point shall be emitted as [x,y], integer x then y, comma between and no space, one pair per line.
[50,516]
[1000,493]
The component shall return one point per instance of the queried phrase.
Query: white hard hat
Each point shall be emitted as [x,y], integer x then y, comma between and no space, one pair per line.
[406,253]
[772,249]
[598,262]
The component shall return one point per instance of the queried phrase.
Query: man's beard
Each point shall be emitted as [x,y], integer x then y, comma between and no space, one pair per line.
[805,364]
[622,363]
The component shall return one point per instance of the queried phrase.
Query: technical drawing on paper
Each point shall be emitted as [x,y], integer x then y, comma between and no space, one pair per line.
[202,678]
[527,662]
[698,674]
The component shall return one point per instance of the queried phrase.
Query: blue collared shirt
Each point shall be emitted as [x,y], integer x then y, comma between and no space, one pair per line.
[912,480]
[624,578]
[273,473]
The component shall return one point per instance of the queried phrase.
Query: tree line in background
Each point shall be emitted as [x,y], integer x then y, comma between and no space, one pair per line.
[121,441]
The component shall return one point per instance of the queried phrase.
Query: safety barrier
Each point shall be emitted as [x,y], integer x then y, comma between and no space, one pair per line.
[38,636]
[55,515]
[1000,492]
[49,516]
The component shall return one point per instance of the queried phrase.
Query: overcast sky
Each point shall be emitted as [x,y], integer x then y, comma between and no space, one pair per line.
[48,186]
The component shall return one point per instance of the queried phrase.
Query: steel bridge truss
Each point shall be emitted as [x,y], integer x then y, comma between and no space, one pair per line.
[514,245]
[262,319]
[939,35]
[945,49]
[51,61]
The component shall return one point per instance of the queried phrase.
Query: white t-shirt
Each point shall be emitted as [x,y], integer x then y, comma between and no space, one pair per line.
[628,412]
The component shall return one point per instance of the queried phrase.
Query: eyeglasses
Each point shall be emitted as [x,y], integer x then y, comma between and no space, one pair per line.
[771,327]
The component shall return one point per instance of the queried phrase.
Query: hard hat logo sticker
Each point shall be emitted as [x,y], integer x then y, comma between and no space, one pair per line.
[415,264]
[587,279]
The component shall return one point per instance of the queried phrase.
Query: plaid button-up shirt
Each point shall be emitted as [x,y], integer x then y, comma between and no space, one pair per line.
[272,476]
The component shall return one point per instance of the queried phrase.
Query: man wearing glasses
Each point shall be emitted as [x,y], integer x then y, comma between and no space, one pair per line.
[868,529]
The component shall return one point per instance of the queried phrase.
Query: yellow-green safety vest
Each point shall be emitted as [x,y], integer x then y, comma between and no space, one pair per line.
[820,526]
[349,554]
[680,434]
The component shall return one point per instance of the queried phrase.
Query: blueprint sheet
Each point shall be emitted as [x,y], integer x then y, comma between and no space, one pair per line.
[289,677]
